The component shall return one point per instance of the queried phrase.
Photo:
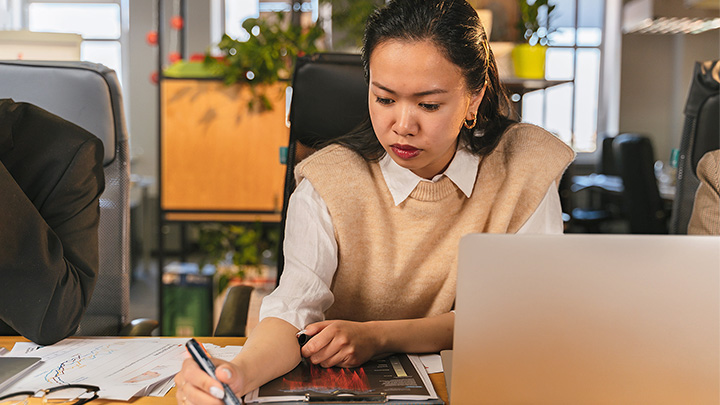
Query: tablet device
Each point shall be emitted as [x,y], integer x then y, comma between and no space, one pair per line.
[14,368]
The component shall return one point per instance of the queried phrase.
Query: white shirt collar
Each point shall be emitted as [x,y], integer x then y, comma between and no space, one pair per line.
[401,181]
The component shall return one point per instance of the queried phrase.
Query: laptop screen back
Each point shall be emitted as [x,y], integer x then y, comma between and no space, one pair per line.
[587,319]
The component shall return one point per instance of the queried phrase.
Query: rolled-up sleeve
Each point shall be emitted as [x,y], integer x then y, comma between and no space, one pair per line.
[310,249]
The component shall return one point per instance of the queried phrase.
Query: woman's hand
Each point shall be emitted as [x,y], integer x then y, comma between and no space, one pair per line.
[341,343]
[194,386]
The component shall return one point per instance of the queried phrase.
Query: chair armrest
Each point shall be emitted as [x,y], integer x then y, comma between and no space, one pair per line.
[139,327]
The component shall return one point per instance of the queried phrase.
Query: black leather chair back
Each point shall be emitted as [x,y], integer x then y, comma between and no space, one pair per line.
[329,99]
[635,161]
[701,133]
[234,314]
[607,158]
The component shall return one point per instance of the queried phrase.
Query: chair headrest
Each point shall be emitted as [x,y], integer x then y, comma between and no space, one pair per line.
[330,97]
[86,94]
[702,106]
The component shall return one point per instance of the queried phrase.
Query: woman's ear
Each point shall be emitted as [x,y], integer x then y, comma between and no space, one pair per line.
[475,101]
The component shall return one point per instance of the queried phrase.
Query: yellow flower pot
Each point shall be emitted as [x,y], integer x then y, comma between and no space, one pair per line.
[529,61]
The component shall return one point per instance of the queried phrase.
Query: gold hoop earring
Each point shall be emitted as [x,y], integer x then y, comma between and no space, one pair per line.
[472,123]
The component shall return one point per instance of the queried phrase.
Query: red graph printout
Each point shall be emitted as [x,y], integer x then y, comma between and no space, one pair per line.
[398,376]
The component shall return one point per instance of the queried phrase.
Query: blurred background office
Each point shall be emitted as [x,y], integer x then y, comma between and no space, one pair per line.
[618,70]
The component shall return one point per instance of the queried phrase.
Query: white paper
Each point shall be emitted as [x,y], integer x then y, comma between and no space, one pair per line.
[162,388]
[122,368]
[226,353]
[432,363]
[24,348]
[425,377]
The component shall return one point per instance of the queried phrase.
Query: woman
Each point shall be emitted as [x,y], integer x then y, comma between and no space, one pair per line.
[374,224]
[705,218]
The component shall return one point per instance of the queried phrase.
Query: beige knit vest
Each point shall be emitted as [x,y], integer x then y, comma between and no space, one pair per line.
[399,262]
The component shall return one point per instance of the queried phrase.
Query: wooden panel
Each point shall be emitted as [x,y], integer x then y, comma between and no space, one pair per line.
[216,155]
[221,217]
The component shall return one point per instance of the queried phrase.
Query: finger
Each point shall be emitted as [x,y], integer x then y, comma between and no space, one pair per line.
[222,369]
[192,378]
[335,355]
[181,392]
[317,343]
[323,355]
[224,373]
[192,394]
[314,328]
[231,375]
[341,352]
[339,359]
[193,374]
[179,383]
[186,372]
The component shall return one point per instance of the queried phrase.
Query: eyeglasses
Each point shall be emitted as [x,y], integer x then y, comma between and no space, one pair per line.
[75,394]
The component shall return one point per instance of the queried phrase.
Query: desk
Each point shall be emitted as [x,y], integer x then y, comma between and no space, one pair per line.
[614,184]
[604,182]
[438,379]
[518,86]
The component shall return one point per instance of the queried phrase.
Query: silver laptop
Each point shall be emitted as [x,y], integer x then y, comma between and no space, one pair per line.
[14,368]
[577,319]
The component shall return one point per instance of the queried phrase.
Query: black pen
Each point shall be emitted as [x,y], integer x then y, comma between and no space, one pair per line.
[197,352]
[302,340]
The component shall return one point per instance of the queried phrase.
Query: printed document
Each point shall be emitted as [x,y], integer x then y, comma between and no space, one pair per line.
[400,376]
[122,368]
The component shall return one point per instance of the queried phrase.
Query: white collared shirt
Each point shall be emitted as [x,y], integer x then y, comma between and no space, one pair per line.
[311,249]
[462,171]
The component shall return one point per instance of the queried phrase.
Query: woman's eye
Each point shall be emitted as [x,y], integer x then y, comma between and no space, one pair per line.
[384,101]
[430,107]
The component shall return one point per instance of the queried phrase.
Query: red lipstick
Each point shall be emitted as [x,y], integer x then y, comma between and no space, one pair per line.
[405,151]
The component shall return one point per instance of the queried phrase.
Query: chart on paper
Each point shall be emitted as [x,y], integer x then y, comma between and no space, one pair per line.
[122,368]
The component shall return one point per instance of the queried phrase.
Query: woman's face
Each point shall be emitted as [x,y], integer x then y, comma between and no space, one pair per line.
[418,102]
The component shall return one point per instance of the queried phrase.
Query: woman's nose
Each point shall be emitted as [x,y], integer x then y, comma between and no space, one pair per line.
[405,124]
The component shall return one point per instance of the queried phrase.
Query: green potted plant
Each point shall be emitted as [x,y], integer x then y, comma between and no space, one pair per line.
[535,27]
[348,21]
[266,57]
[237,251]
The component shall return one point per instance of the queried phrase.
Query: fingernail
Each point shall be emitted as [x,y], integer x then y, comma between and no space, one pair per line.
[217,392]
[227,372]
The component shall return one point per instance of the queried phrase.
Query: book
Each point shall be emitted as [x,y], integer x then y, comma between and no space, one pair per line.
[399,378]
[14,368]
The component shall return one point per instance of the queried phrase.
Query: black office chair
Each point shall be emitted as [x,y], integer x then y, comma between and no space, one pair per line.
[89,95]
[329,99]
[701,133]
[644,208]
[234,315]
[603,206]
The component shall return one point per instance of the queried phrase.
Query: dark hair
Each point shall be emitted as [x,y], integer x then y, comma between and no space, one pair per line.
[455,28]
